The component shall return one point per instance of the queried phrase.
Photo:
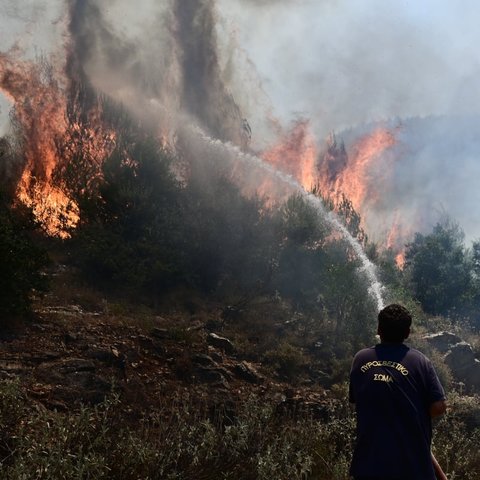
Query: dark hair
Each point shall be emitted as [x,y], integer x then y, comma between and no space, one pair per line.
[394,323]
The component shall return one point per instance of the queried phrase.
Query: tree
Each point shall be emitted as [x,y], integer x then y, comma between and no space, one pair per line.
[21,260]
[130,228]
[351,219]
[318,273]
[438,269]
[230,238]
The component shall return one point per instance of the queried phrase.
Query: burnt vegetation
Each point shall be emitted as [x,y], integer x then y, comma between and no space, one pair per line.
[277,280]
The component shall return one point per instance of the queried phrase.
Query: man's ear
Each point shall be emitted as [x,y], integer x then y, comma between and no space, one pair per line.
[407,333]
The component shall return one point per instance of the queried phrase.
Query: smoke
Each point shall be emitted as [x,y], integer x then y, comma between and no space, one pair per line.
[346,63]
[171,69]
[249,67]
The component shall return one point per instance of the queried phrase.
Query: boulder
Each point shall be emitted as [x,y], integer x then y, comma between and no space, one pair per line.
[220,342]
[464,366]
[73,380]
[472,376]
[202,359]
[246,371]
[442,341]
[216,376]
[459,357]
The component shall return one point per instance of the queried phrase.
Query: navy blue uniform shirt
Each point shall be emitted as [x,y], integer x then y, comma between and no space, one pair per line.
[393,387]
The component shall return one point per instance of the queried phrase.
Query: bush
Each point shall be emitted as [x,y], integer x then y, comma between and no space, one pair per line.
[21,260]
[287,359]
[181,439]
[457,437]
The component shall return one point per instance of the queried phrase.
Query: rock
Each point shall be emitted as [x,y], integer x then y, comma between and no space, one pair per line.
[202,359]
[460,356]
[161,333]
[58,371]
[40,357]
[464,366]
[84,387]
[211,375]
[220,342]
[72,365]
[64,311]
[73,380]
[246,371]
[442,341]
[215,354]
[102,355]
[472,375]
[216,357]
[11,367]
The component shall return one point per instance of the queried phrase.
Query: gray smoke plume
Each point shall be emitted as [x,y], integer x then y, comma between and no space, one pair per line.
[174,69]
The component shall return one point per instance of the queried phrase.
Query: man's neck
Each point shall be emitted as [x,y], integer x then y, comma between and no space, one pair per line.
[385,342]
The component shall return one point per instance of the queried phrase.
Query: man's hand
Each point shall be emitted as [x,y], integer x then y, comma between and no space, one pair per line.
[438,408]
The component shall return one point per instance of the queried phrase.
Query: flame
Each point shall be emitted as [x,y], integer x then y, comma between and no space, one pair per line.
[398,232]
[363,175]
[51,138]
[296,154]
[40,112]
[355,180]
[48,139]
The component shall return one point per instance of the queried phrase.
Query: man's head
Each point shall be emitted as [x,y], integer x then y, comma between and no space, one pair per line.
[394,323]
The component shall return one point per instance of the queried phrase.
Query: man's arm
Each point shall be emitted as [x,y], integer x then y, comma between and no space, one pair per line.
[438,408]
[439,474]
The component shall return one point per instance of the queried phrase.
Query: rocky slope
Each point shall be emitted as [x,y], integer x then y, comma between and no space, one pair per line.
[69,355]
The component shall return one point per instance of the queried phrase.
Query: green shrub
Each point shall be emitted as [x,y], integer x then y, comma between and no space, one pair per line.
[287,359]
[21,260]
[180,439]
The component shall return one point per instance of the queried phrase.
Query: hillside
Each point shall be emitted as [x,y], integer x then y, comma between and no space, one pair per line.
[85,372]
[74,353]
[93,387]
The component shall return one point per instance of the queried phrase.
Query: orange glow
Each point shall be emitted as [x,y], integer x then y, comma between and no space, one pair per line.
[50,206]
[354,180]
[296,154]
[40,105]
[40,111]
[400,260]
[395,239]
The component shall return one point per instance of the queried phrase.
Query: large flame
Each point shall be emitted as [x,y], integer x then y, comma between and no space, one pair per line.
[296,154]
[398,232]
[355,180]
[38,93]
[360,173]
[40,106]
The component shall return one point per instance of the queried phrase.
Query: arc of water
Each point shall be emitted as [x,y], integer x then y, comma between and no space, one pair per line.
[368,268]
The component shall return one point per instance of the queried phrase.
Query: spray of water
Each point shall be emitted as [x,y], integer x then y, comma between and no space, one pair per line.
[368,269]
